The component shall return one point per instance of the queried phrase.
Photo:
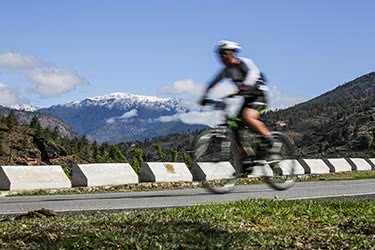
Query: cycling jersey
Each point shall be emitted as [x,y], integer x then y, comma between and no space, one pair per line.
[246,76]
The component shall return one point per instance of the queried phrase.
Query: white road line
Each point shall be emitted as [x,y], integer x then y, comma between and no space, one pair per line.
[330,196]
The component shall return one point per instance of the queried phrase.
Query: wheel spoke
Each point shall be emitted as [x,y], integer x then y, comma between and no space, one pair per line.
[216,161]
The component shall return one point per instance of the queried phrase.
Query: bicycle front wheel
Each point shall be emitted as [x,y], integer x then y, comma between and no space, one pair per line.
[216,161]
[282,163]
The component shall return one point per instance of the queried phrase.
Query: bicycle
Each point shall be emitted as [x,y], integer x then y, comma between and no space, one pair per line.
[235,143]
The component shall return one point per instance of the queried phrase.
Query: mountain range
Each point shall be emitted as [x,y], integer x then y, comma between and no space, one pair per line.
[119,117]
[338,123]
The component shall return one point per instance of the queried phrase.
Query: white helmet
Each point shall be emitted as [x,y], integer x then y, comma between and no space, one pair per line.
[227,45]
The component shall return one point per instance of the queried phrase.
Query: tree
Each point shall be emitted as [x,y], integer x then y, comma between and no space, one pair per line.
[35,124]
[372,146]
[36,127]
[2,151]
[84,152]
[82,142]
[174,154]
[11,119]
[11,122]
[116,155]
[120,155]
[159,151]
[355,132]
[94,152]
[103,156]
[188,161]
[138,157]
[55,133]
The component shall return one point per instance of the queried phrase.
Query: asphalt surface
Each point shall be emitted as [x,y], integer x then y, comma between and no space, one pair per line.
[358,189]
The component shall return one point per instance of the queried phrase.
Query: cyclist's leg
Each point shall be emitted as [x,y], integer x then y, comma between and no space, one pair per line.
[254,105]
[251,118]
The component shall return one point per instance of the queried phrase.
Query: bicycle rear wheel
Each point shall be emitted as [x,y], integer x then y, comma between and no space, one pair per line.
[216,161]
[281,160]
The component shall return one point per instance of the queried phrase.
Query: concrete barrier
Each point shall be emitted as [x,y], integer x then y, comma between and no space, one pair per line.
[164,172]
[259,171]
[53,177]
[285,167]
[372,160]
[33,177]
[287,164]
[212,171]
[359,164]
[315,166]
[340,165]
[103,174]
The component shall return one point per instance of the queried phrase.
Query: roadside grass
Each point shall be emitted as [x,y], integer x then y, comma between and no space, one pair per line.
[249,224]
[180,185]
[356,175]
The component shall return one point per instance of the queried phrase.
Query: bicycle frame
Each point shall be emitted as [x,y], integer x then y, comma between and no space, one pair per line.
[243,157]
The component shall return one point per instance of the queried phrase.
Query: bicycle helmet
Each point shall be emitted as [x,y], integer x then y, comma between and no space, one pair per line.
[228,45]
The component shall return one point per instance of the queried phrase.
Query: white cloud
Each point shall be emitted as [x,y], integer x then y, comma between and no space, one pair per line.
[125,117]
[209,118]
[280,100]
[54,81]
[131,113]
[168,118]
[16,61]
[184,87]
[111,120]
[8,96]
[48,80]
[194,91]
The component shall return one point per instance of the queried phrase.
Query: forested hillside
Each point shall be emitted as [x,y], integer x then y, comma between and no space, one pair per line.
[31,144]
[336,124]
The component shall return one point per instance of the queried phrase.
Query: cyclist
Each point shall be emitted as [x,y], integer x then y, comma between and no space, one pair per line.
[251,85]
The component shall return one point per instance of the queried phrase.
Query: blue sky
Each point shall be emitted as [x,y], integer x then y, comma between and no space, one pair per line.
[55,52]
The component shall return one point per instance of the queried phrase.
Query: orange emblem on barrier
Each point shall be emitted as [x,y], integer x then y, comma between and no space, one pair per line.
[170,168]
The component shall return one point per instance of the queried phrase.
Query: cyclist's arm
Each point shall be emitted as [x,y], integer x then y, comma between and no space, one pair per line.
[215,81]
[253,74]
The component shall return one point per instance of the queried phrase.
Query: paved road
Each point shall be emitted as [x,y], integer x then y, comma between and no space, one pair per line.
[181,198]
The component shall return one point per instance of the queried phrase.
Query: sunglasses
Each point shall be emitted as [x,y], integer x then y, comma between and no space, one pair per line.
[224,53]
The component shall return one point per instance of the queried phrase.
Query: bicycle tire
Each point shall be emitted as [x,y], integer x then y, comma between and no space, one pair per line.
[282,163]
[213,149]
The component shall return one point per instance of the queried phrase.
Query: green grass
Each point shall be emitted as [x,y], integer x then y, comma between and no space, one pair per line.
[356,175]
[252,224]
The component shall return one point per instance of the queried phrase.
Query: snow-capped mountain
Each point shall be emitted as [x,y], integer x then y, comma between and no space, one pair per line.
[120,117]
[24,107]
[126,100]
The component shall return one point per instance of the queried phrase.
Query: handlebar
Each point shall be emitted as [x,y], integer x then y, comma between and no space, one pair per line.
[216,104]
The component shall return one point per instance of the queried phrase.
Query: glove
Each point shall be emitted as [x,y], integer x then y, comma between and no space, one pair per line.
[203,101]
